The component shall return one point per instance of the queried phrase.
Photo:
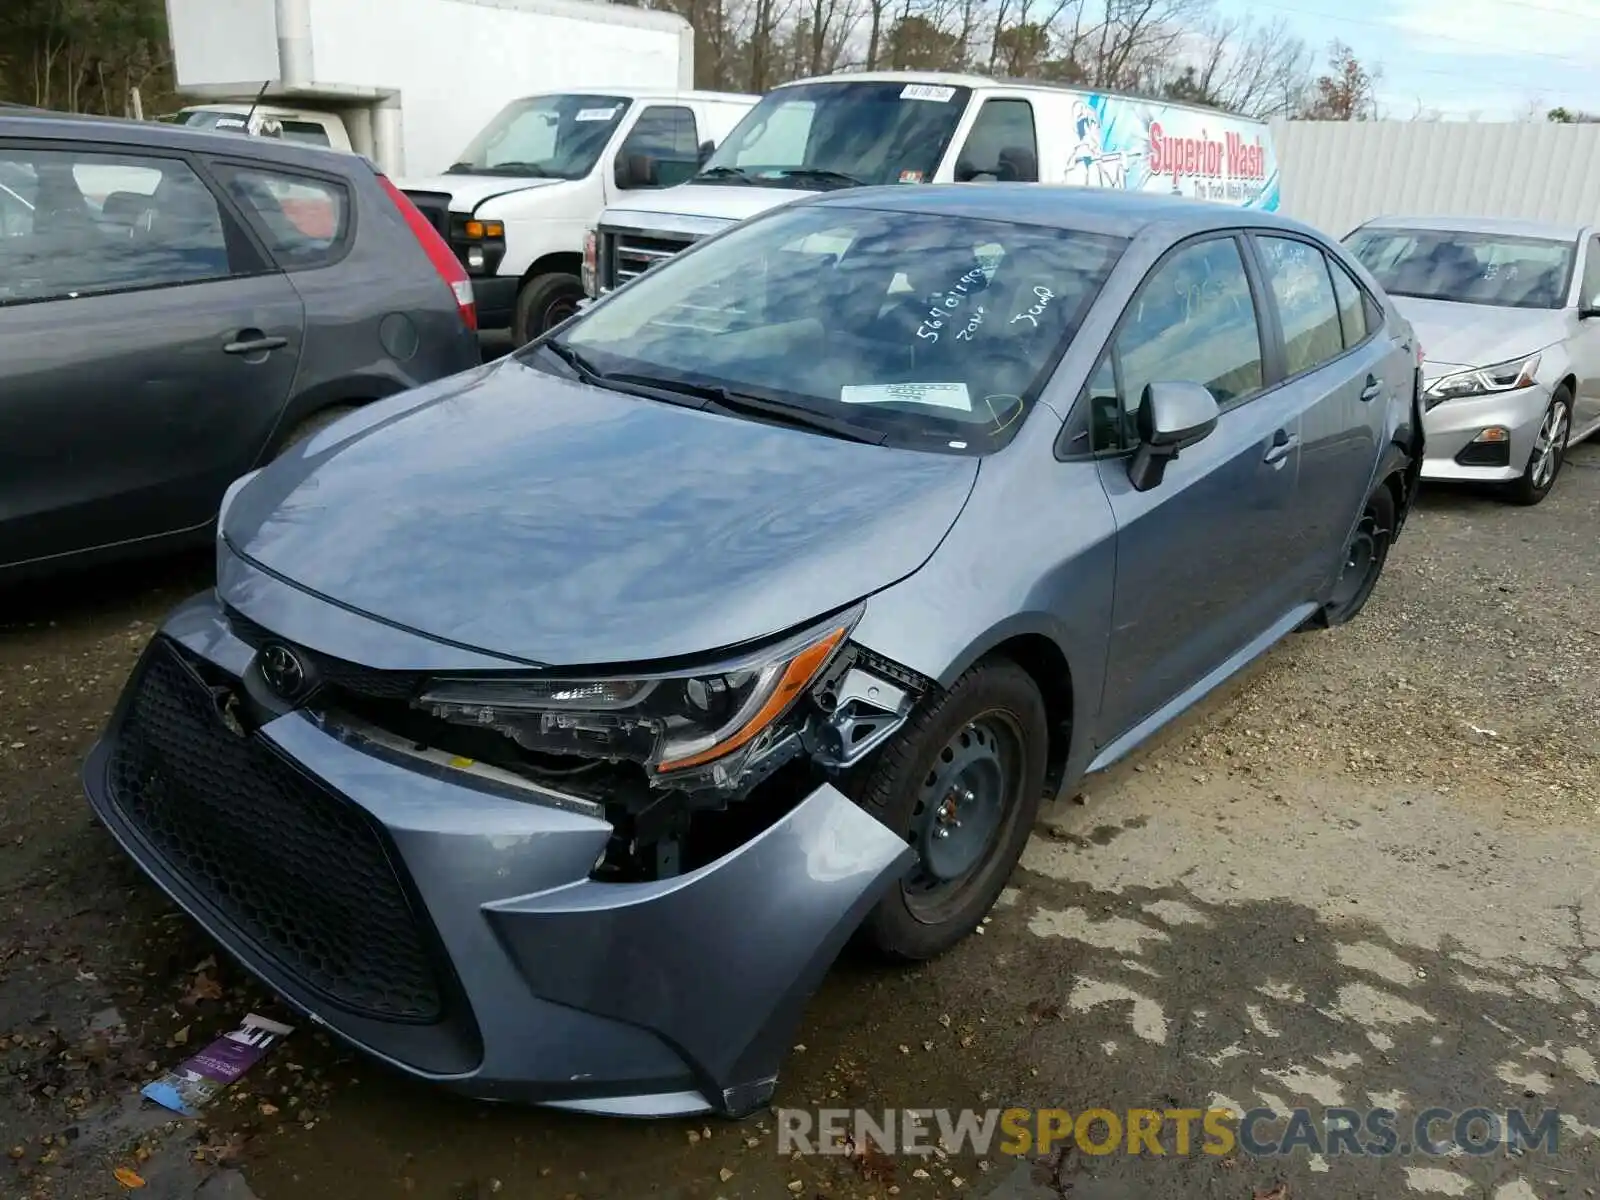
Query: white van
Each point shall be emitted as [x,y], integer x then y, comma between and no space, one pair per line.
[897,127]
[517,203]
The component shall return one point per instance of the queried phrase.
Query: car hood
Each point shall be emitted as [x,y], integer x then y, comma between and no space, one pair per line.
[466,192]
[1476,335]
[545,520]
[706,201]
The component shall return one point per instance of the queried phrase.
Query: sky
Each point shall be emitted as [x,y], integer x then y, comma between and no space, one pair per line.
[1488,60]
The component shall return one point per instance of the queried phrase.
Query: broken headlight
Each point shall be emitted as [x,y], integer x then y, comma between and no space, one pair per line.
[669,722]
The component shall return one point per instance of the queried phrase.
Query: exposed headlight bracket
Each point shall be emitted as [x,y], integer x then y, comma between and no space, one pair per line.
[867,710]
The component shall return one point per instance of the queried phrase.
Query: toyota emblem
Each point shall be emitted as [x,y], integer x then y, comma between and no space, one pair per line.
[283,670]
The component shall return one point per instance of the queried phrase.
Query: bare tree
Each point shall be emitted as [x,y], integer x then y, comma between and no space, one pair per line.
[1347,91]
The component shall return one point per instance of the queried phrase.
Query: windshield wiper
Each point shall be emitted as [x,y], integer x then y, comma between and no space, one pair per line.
[729,403]
[837,178]
[585,369]
[732,174]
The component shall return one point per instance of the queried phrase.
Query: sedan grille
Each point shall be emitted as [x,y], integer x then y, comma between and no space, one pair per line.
[299,873]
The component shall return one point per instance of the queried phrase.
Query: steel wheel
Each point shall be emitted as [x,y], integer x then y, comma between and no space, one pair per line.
[1364,559]
[961,805]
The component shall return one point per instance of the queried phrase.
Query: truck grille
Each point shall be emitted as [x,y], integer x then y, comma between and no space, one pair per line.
[629,254]
[303,876]
[435,206]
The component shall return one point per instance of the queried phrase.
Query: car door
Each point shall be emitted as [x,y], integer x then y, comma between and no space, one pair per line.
[1202,558]
[1340,380]
[146,347]
[1585,345]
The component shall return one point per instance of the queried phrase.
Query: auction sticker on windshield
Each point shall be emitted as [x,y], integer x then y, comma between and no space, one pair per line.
[935,395]
[927,91]
[595,114]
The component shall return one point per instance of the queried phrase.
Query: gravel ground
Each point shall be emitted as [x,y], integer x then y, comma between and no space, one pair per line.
[1364,873]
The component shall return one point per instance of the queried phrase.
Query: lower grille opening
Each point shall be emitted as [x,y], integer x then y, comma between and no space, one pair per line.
[1485,454]
[304,876]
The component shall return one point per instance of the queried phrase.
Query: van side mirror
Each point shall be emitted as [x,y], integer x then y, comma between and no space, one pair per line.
[707,149]
[1172,417]
[635,171]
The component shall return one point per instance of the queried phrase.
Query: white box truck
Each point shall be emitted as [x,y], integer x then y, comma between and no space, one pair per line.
[510,123]
[408,82]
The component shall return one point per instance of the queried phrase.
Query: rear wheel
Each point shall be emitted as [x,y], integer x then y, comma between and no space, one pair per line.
[543,303]
[962,784]
[1549,452]
[312,425]
[1364,559]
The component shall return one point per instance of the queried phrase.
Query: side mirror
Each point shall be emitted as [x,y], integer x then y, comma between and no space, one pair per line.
[707,149]
[1591,309]
[1172,417]
[635,171]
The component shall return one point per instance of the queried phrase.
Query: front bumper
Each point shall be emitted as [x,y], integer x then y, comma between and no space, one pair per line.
[448,925]
[1452,425]
[496,297]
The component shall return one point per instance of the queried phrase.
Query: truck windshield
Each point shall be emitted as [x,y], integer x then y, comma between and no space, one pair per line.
[1467,268]
[558,136]
[918,329]
[840,134]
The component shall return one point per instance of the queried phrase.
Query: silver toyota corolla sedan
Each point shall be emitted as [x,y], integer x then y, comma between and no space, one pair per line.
[1508,314]
[550,729]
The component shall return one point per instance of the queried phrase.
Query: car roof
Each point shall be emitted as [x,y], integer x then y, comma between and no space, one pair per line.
[1108,211]
[157,135]
[1507,226]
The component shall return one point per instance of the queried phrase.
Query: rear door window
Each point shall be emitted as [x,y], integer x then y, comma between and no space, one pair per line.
[79,222]
[1353,306]
[303,219]
[1297,274]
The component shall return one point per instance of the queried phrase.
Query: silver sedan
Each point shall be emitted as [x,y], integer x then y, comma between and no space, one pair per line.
[1508,314]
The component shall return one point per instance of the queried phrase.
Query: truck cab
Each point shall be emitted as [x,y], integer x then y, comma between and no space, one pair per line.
[304,125]
[898,127]
[516,204]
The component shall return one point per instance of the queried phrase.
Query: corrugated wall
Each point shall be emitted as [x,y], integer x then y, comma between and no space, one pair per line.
[1337,174]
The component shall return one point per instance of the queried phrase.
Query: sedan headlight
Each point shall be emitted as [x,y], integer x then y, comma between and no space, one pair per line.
[1484,381]
[670,722]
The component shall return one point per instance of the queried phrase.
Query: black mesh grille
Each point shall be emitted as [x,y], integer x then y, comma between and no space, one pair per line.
[304,875]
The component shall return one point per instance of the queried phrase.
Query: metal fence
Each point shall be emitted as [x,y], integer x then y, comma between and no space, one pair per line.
[1337,174]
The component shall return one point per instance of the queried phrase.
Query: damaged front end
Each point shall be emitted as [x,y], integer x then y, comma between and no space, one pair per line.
[670,758]
[611,894]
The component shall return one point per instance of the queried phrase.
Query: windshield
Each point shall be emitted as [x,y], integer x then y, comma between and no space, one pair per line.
[824,135]
[209,118]
[557,136]
[1467,268]
[927,330]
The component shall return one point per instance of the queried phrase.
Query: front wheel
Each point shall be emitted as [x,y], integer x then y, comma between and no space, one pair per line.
[1364,560]
[962,784]
[1549,452]
[543,303]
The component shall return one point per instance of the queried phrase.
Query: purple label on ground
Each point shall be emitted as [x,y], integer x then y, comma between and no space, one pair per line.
[193,1083]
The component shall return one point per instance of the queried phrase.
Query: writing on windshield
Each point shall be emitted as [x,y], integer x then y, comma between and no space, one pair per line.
[931,330]
[1468,268]
[824,135]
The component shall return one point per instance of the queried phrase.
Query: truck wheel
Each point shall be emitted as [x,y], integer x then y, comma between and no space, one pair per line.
[962,784]
[543,303]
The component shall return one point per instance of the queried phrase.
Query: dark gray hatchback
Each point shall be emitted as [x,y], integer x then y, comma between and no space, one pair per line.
[177,307]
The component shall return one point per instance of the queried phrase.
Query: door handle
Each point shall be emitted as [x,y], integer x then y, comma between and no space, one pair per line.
[1370,392]
[1283,445]
[254,345]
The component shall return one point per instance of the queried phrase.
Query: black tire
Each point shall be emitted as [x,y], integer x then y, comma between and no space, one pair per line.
[1556,428]
[543,303]
[314,424]
[1364,561]
[998,701]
